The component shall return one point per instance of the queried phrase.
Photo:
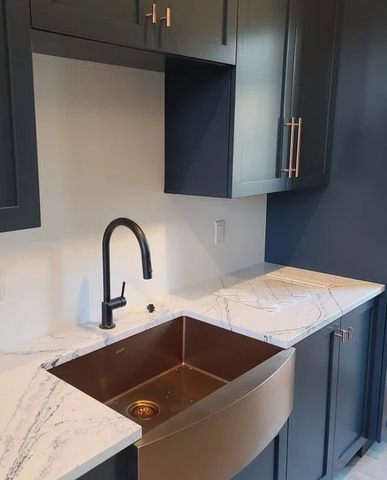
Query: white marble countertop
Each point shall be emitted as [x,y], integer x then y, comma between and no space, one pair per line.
[50,430]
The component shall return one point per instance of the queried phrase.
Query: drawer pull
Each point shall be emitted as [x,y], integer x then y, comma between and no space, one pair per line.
[153,14]
[345,335]
[167,18]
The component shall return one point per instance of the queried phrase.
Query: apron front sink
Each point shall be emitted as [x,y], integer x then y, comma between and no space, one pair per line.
[209,400]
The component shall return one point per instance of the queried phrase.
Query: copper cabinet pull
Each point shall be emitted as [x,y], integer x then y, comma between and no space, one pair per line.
[153,14]
[343,335]
[298,156]
[350,333]
[167,18]
[292,126]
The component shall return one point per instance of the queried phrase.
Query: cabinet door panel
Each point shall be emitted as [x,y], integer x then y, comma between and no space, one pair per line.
[19,192]
[120,22]
[311,422]
[261,97]
[352,388]
[270,464]
[317,24]
[202,29]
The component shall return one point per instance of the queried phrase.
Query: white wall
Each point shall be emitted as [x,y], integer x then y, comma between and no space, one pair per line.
[101,155]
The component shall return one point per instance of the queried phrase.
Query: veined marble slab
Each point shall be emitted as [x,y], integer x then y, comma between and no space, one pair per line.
[50,430]
[270,293]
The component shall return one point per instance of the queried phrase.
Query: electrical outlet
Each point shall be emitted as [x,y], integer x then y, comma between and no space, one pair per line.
[220,231]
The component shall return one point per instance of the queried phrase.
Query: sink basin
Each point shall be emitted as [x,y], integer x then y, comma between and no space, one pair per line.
[209,400]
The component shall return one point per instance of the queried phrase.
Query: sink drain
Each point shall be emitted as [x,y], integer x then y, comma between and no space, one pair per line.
[143,410]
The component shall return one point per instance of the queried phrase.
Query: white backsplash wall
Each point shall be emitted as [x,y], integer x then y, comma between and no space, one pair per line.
[101,155]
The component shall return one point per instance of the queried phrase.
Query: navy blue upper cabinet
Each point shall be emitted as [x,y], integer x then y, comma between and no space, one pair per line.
[230,143]
[19,192]
[111,21]
[279,111]
[202,29]
[313,97]
[262,97]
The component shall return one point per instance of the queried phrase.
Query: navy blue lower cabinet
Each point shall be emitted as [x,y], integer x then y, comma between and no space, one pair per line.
[311,427]
[270,464]
[332,401]
[353,386]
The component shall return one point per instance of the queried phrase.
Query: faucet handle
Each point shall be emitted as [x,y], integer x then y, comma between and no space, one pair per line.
[123,289]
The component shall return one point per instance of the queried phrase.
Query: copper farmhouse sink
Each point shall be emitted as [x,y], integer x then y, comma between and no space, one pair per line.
[209,400]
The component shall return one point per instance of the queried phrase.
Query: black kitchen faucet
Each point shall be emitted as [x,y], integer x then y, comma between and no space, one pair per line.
[109,304]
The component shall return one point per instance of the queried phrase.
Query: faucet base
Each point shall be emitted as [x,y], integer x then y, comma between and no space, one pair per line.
[107,327]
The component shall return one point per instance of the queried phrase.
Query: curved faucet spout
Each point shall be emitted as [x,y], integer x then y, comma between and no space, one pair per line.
[109,304]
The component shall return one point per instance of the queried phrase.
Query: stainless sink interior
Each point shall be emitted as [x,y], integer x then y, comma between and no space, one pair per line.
[181,374]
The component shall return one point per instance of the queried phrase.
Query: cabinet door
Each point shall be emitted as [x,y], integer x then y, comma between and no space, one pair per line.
[317,28]
[19,193]
[311,426]
[262,98]
[203,29]
[120,22]
[270,464]
[352,387]
[116,468]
